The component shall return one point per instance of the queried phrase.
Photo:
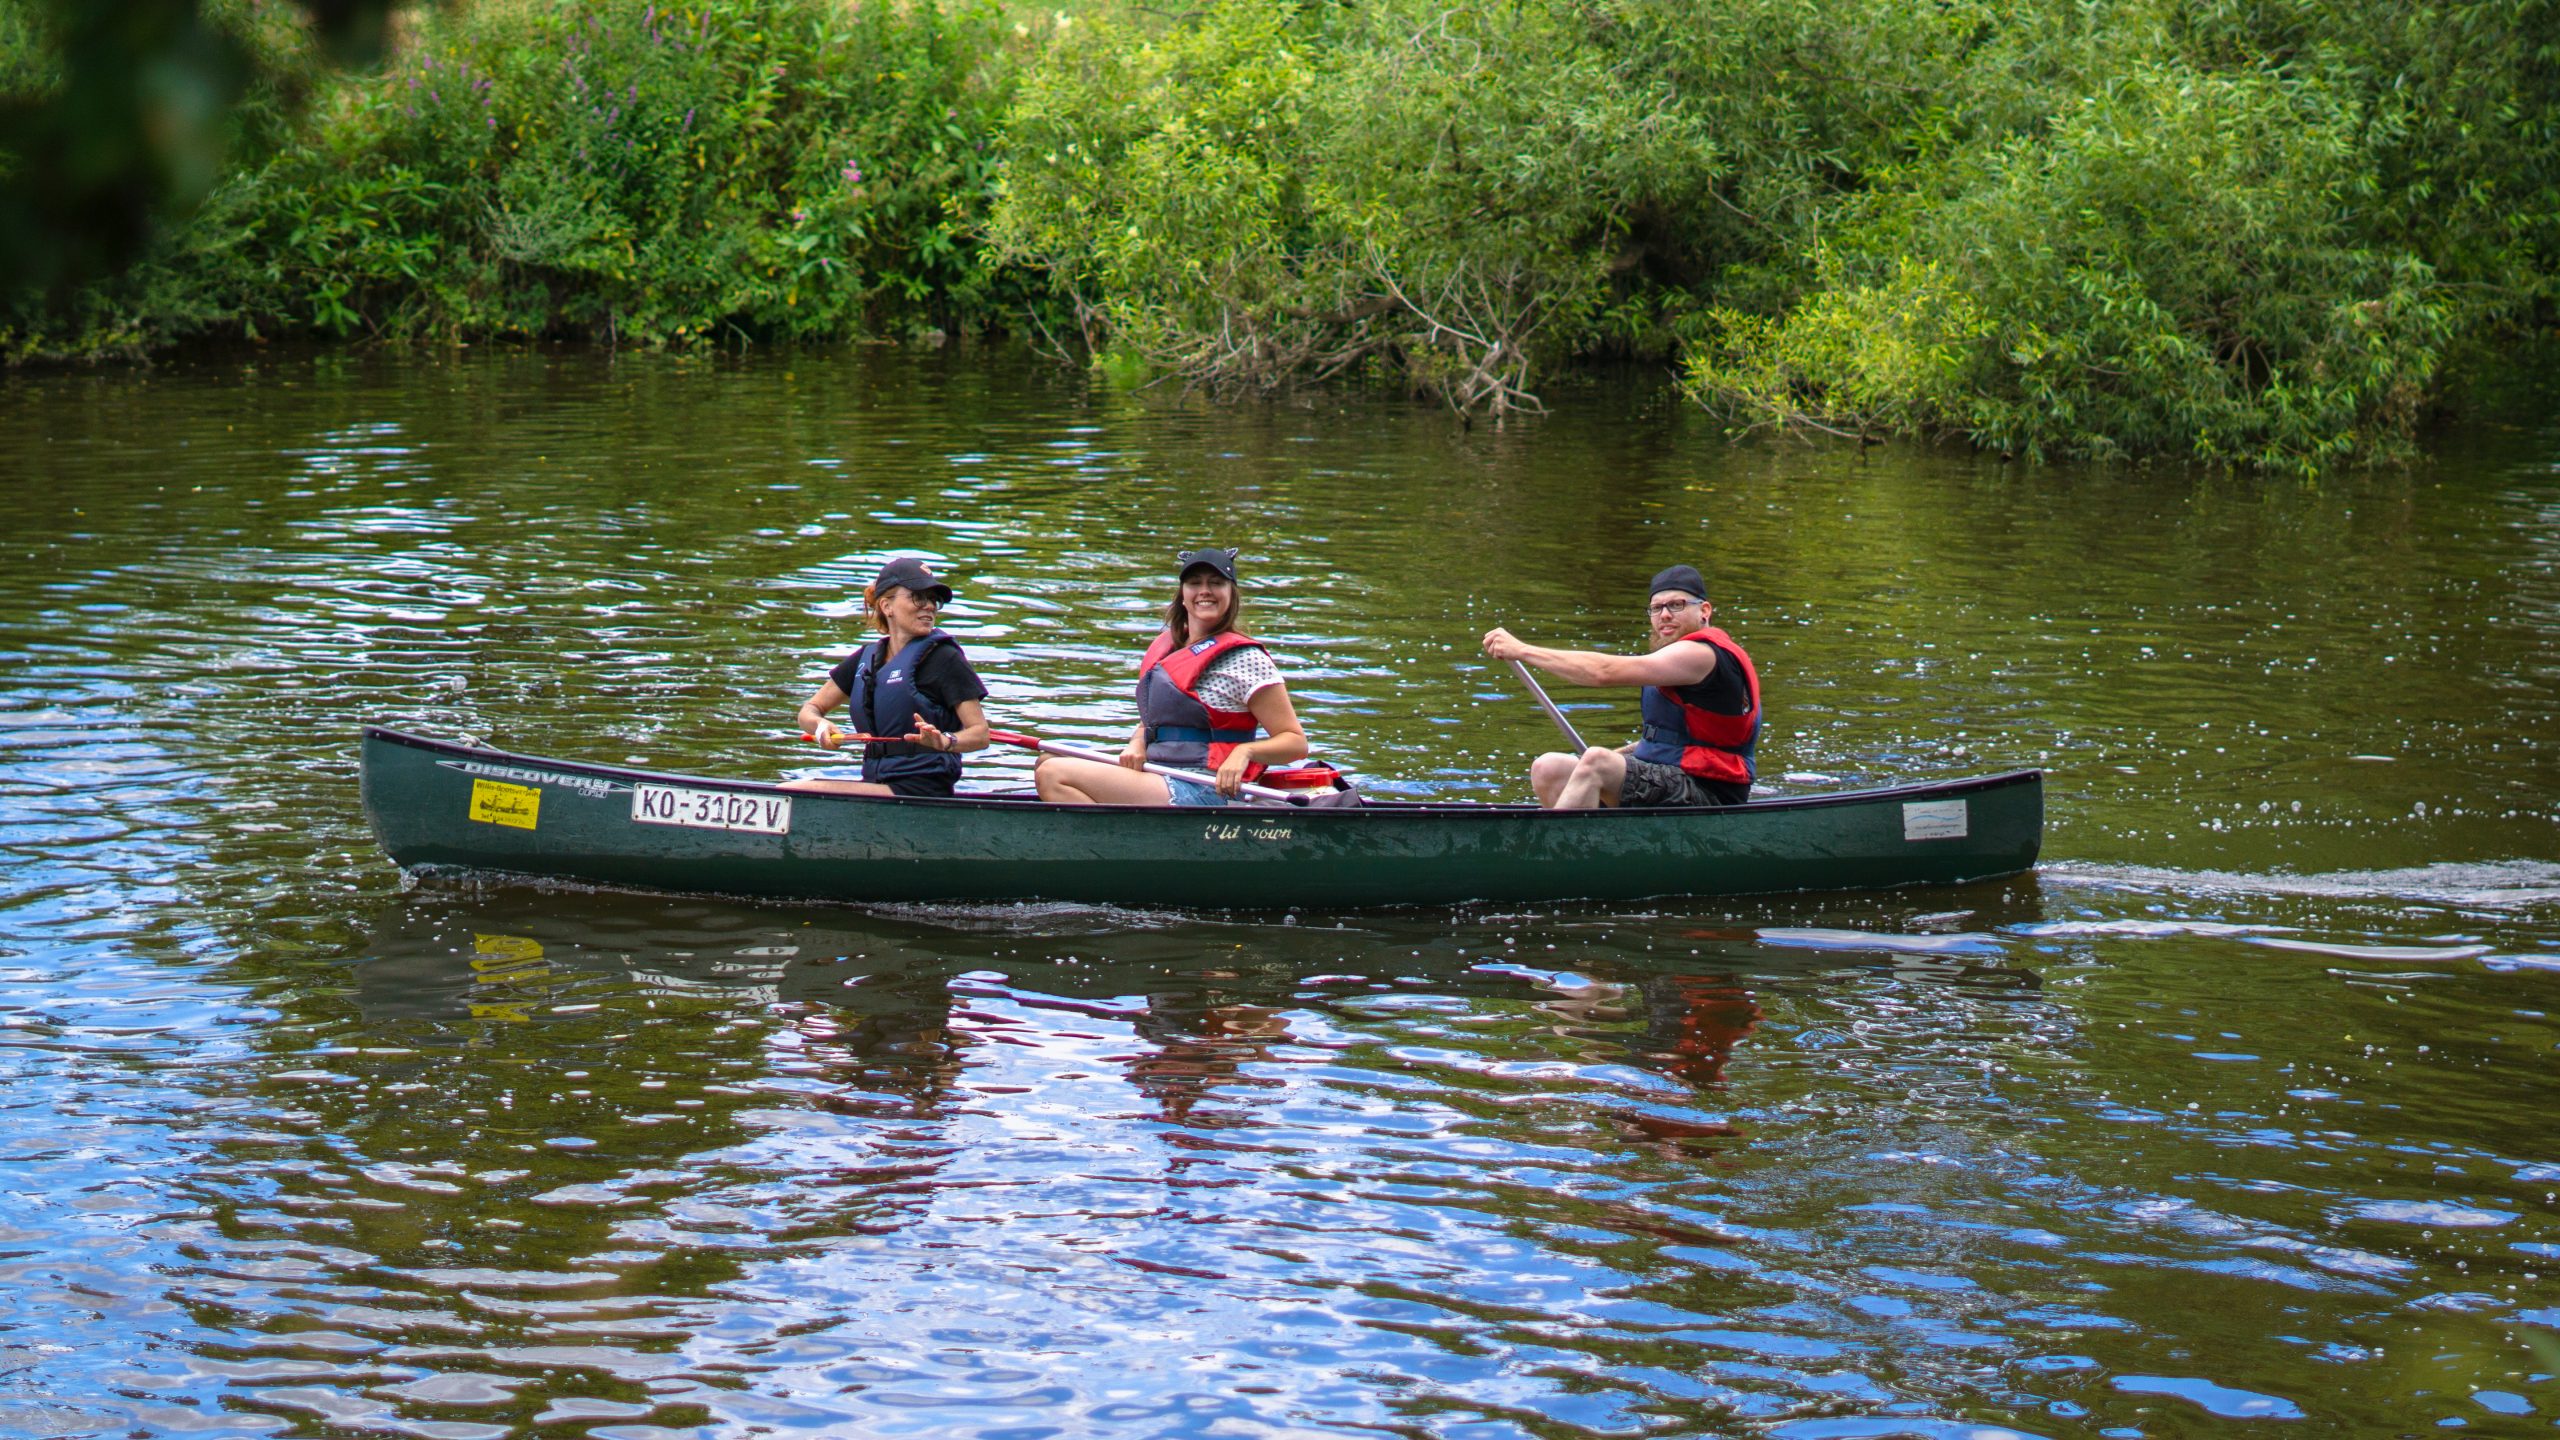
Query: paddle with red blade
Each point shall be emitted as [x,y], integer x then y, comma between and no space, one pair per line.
[1074,751]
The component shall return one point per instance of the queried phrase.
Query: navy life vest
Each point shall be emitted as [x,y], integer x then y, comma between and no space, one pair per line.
[1181,728]
[1703,743]
[886,702]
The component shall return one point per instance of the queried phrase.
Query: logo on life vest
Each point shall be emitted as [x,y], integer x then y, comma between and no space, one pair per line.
[892,677]
[1205,644]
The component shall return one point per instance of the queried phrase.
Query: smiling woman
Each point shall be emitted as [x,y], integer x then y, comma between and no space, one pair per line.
[914,695]
[1205,689]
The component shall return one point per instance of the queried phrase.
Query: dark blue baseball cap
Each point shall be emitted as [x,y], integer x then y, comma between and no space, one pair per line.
[1683,578]
[908,573]
[1222,561]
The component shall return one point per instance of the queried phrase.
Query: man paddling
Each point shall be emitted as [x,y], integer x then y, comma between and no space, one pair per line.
[1701,710]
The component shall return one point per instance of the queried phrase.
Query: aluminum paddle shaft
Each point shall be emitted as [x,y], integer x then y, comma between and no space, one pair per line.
[1539,694]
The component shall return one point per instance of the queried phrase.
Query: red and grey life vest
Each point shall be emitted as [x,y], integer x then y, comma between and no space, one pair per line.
[1710,746]
[885,701]
[1181,727]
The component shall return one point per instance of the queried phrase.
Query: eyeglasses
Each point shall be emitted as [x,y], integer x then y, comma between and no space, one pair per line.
[1671,607]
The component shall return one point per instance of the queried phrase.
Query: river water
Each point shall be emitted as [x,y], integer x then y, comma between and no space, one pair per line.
[2241,1113]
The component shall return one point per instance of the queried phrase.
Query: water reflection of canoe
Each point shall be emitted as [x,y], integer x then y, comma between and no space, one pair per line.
[440,805]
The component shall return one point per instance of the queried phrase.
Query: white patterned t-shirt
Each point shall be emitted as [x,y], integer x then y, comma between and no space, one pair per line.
[1232,680]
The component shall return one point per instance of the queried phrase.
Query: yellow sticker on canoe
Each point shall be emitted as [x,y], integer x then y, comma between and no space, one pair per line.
[498,803]
[503,952]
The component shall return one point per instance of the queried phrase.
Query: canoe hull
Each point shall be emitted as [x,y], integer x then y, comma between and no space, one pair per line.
[439,805]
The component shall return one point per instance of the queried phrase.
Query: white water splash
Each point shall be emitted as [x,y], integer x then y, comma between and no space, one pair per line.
[1883,940]
[2147,929]
[2397,954]
[2482,885]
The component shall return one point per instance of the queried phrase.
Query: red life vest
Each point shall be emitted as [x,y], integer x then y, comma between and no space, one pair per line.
[1703,743]
[1182,729]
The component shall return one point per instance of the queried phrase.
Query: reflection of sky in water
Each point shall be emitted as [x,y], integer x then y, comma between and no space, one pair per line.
[2226,1115]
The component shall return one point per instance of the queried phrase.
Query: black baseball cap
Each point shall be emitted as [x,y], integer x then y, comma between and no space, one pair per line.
[1683,578]
[908,573]
[1222,561]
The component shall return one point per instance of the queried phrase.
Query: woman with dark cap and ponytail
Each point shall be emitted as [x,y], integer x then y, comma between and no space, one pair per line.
[912,684]
[1209,699]
[1701,700]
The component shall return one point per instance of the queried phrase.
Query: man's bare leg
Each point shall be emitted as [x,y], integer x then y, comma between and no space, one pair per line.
[1595,781]
[1547,775]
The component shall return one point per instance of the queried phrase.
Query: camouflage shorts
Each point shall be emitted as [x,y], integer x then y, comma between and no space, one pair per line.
[1651,784]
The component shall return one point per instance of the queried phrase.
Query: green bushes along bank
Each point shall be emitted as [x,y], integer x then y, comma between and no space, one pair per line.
[635,173]
[2246,231]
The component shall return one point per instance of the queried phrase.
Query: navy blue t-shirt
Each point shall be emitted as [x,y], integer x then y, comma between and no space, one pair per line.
[946,677]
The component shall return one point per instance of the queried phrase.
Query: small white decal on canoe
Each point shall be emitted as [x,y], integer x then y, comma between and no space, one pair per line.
[1934,820]
[584,784]
[1247,832]
[711,809]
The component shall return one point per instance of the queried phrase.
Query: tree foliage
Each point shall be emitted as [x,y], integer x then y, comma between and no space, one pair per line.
[115,118]
[614,169]
[2239,232]
[2244,231]
[2257,232]
[1271,192]
[2173,266]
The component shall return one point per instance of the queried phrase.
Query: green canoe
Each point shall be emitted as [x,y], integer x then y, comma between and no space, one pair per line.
[437,805]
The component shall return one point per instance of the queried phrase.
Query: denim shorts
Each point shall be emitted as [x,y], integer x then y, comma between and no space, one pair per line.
[1191,795]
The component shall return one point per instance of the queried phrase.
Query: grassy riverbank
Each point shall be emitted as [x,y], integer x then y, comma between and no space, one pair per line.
[2253,233]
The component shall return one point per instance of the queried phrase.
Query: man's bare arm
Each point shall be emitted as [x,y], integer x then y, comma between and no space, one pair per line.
[1684,663]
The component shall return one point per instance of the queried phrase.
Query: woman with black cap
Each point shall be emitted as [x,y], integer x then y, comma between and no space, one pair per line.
[1209,699]
[913,682]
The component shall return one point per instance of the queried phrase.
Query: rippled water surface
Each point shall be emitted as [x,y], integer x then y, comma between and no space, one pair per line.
[2242,1113]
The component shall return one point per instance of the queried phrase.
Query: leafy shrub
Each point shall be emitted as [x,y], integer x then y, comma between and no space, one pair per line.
[631,172]
[1261,192]
[2174,268]
[2242,231]
[114,120]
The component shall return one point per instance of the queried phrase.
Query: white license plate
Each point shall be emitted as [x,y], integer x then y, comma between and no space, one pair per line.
[711,809]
